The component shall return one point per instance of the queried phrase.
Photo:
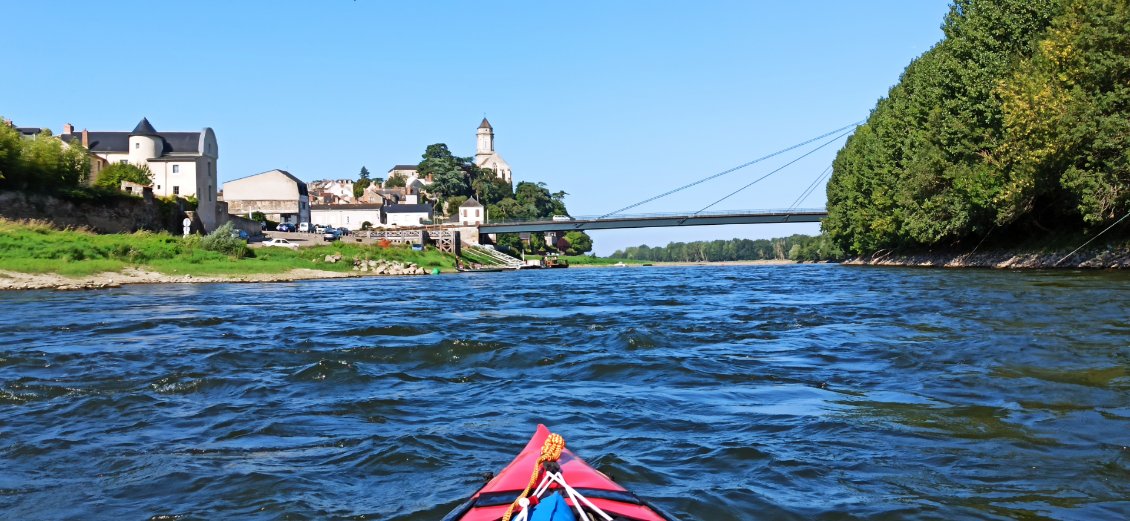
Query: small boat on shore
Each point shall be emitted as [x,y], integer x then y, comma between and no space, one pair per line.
[567,489]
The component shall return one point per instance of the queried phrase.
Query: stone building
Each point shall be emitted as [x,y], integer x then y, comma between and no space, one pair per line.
[278,194]
[485,156]
[182,164]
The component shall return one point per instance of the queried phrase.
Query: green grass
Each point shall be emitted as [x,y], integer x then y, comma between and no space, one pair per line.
[39,248]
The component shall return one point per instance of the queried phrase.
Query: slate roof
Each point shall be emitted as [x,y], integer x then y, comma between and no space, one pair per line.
[403,167]
[471,203]
[485,124]
[175,142]
[143,128]
[408,208]
[29,131]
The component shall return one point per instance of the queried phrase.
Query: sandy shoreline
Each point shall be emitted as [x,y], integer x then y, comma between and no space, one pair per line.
[10,280]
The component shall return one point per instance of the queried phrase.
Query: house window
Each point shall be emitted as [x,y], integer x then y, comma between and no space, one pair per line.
[464,213]
[136,145]
[176,169]
[176,190]
[209,192]
[476,212]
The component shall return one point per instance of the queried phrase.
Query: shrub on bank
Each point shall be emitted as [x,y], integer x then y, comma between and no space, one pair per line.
[223,240]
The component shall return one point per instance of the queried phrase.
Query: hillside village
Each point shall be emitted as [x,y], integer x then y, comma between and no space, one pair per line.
[182,166]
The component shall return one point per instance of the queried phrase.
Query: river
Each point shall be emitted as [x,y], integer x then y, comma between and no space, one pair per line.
[719,393]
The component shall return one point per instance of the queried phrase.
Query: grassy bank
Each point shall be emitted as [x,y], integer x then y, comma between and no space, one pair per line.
[39,248]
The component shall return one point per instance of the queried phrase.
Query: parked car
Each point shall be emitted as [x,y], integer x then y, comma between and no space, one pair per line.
[285,227]
[331,235]
[304,227]
[321,228]
[283,243]
[240,234]
[562,218]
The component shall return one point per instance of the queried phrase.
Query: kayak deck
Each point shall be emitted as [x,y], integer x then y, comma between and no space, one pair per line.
[492,501]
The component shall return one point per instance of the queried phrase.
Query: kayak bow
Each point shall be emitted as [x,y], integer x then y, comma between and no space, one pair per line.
[556,470]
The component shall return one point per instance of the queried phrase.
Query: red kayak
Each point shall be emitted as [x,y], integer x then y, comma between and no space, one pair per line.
[560,477]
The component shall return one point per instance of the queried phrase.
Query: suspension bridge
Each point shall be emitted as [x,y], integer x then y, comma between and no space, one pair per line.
[703,217]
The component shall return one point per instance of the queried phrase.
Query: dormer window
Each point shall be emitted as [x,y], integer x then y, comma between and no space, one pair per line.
[176,169]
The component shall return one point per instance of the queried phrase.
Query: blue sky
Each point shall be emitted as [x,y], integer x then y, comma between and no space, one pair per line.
[611,102]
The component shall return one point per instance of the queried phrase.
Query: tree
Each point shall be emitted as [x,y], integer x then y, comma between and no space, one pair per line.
[925,169]
[579,242]
[9,153]
[395,181]
[364,173]
[112,176]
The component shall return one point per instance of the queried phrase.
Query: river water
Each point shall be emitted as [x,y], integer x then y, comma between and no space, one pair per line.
[719,393]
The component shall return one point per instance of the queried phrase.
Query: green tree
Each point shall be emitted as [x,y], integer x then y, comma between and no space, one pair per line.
[112,176]
[395,181]
[364,173]
[9,154]
[579,242]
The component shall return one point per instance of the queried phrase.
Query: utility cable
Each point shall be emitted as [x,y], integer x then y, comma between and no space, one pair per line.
[734,169]
[1092,239]
[782,167]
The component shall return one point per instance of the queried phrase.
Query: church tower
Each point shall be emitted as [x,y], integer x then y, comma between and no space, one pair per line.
[485,145]
[485,156]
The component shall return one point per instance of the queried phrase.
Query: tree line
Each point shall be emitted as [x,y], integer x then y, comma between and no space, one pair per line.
[1015,124]
[40,163]
[794,247]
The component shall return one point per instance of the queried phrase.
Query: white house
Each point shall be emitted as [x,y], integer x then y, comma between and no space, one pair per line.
[278,194]
[182,163]
[349,216]
[405,214]
[471,213]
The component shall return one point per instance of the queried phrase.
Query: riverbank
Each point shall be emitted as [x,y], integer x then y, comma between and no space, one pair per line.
[12,280]
[1108,257]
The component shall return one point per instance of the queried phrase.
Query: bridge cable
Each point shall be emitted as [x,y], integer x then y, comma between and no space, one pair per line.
[808,191]
[734,169]
[782,167]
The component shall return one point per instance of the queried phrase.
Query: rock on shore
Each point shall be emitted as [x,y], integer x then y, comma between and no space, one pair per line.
[1108,258]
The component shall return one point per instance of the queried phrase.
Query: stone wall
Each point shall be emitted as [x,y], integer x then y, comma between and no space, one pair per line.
[123,214]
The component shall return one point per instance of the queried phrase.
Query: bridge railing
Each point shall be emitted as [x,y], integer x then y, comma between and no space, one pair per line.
[660,215]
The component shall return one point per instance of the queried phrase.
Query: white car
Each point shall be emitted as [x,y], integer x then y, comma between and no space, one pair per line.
[281,243]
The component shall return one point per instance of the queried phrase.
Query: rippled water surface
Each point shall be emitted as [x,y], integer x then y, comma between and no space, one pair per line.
[720,393]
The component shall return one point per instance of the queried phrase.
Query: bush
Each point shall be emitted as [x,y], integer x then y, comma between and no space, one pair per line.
[223,241]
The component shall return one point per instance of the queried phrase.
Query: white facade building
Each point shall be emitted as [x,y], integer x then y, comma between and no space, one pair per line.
[405,214]
[182,164]
[349,216]
[471,213]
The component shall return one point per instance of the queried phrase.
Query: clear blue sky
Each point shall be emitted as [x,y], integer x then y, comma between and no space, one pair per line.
[611,102]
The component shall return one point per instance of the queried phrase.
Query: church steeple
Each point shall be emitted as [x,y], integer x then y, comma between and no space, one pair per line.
[485,136]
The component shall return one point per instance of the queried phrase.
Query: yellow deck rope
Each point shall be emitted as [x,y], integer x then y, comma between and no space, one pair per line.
[550,451]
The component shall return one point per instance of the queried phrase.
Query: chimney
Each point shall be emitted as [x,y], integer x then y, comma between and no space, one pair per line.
[85,138]
[68,129]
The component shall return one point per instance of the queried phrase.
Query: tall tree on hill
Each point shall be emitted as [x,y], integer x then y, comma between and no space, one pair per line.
[362,183]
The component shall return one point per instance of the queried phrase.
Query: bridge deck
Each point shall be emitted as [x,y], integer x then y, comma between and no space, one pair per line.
[659,220]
